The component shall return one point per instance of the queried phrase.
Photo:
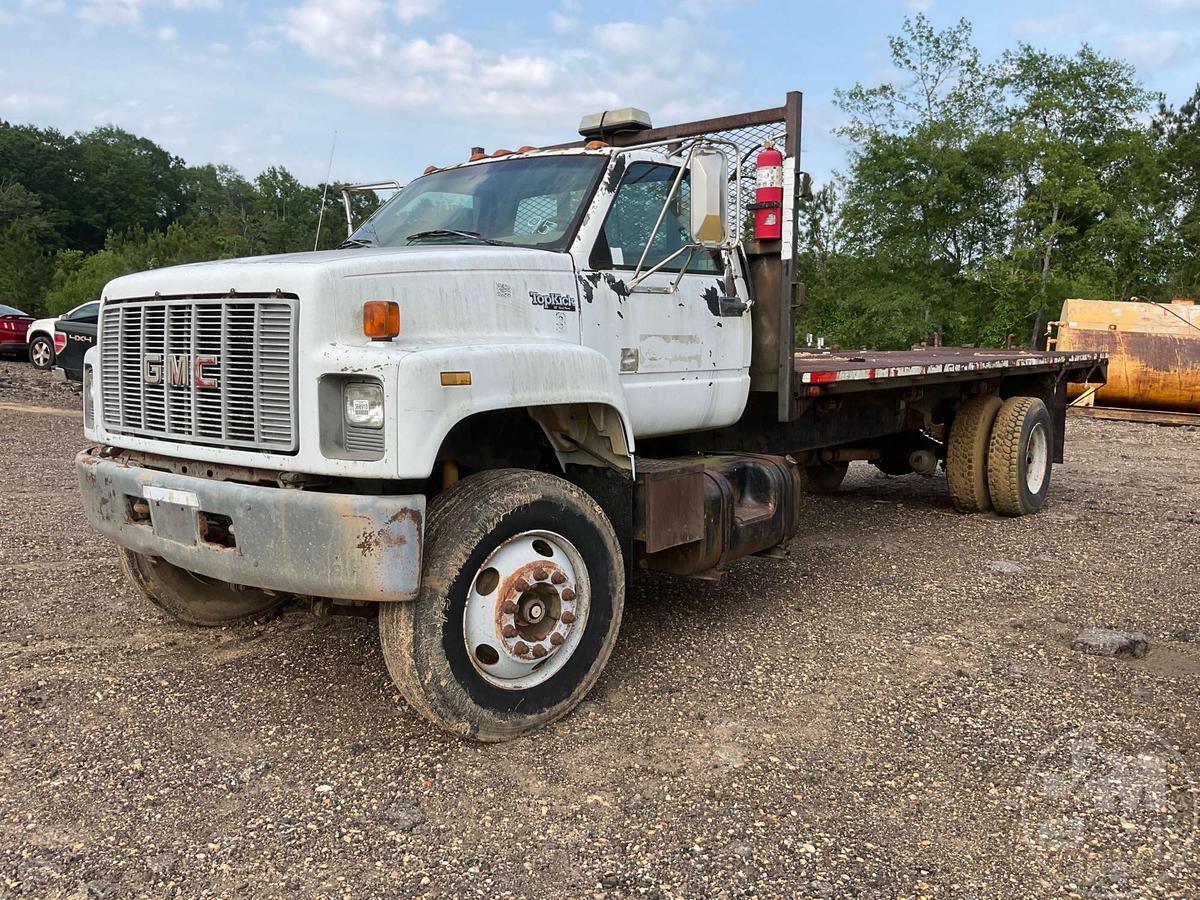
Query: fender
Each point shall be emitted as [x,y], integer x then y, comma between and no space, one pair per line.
[570,390]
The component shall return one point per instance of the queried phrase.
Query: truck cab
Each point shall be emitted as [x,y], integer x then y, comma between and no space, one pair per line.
[523,378]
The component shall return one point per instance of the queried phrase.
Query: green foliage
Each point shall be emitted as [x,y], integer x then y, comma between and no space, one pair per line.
[980,196]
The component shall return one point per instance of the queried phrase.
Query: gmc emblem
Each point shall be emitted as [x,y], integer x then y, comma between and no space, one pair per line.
[182,370]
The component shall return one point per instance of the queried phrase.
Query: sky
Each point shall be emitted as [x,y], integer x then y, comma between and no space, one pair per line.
[407,83]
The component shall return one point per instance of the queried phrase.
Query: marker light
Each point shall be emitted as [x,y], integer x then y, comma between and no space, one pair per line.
[381,319]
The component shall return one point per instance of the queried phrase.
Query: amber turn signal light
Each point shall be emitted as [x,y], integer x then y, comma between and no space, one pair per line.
[381,319]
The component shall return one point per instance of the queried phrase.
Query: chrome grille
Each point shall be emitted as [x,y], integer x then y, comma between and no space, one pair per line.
[250,403]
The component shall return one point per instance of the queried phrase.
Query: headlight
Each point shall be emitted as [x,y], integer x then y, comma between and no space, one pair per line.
[363,405]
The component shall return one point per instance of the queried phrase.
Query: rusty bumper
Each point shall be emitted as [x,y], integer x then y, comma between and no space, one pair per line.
[296,541]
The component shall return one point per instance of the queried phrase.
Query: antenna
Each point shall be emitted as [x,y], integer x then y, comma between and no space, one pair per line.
[325,191]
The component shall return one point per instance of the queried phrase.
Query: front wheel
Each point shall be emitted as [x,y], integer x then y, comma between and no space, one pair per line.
[519,607]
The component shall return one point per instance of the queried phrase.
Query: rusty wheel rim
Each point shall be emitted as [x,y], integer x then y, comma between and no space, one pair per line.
[526,610]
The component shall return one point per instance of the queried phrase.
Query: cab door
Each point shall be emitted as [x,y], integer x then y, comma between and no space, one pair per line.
[679,338]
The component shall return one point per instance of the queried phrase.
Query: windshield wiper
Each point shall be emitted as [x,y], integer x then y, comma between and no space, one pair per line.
[354,242]
[451,232]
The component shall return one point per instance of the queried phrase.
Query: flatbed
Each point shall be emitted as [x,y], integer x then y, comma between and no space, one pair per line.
[868,369]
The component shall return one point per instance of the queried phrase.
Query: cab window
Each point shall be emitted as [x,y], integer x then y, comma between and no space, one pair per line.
[631,218]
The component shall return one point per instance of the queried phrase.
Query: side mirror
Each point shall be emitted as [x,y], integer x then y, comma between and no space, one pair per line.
[710,176]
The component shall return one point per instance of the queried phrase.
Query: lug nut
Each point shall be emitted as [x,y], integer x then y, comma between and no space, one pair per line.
[540,574]
[508,631]
[568,617]
[558,578]
[568,595]
[521,585]
[520,649]
[557,639]
[539,651]
[509,607]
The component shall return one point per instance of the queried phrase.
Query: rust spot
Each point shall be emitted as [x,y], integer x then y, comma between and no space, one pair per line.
[406,513]
[375,539]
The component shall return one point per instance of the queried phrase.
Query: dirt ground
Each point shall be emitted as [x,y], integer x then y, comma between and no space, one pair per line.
[895,710]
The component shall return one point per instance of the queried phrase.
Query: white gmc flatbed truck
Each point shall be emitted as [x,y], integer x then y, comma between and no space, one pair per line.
[523,378]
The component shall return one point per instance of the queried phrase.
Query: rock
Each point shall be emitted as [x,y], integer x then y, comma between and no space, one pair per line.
[1184,635]
[1104,642]
[1005,567]
[404,818]
[162,863]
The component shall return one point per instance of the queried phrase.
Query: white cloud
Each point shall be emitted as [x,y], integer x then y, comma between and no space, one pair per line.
[129,12]
[563,23]
[411,10]
[28,102]
[338,31]
[111,12]
[1153,50]
[668,67]
[166,33]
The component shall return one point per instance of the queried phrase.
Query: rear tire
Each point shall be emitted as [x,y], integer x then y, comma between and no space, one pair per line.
[1020,457]
[41,352]
[469,653]
[823,478]
[194,599]
[966,454]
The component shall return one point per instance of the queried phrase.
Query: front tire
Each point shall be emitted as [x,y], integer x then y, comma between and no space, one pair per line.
[41,352]
[519,608]
[194,599]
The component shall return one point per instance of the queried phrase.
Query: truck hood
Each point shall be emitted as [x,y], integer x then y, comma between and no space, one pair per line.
[255,274]
[448,293]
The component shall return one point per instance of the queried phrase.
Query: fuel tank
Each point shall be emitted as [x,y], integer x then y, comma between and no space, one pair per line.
[1154,351]
[698,514]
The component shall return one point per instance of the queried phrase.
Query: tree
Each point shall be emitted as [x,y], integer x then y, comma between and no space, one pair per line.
[924,195]
[1075,145]
[1179,131]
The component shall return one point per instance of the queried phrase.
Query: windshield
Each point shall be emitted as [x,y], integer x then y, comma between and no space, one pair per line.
[11,311]
[534,202]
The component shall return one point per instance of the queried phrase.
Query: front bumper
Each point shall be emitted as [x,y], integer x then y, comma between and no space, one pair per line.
[345,546]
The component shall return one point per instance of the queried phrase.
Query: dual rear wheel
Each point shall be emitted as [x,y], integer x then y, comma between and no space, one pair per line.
[1000,455]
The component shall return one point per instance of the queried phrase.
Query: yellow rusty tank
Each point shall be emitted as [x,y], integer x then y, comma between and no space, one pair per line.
[1154,350]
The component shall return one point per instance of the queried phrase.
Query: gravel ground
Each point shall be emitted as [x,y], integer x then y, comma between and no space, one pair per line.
[894,710]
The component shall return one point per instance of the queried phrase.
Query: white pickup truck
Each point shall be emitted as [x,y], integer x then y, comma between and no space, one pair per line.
[523,378]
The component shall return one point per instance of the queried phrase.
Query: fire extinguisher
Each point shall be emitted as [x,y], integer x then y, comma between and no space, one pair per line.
[768,194]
